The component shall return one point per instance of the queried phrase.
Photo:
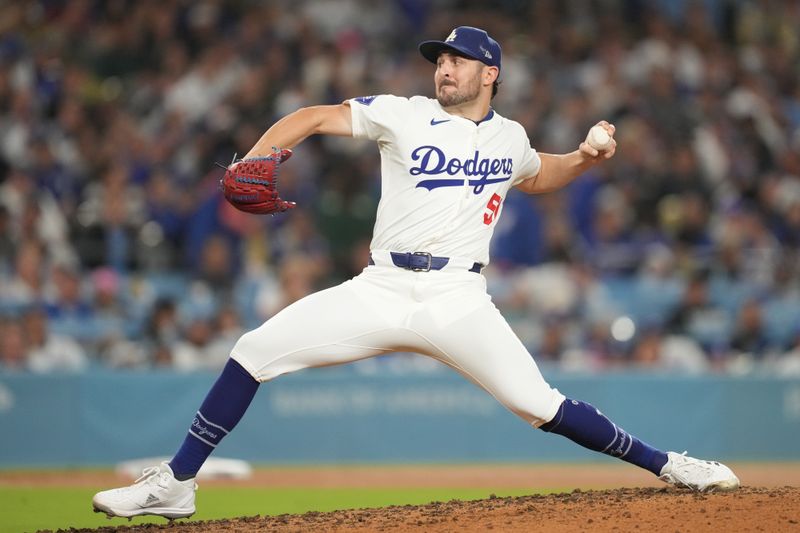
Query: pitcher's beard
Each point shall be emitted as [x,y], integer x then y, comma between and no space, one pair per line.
[457,97]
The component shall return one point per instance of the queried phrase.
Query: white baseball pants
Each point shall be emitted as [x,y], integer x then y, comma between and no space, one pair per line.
[445,314]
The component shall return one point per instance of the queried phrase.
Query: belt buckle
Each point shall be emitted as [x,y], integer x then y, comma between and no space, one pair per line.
[426,268]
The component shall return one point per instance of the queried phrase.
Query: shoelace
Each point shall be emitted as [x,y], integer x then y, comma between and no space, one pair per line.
[151,475]
[706,466]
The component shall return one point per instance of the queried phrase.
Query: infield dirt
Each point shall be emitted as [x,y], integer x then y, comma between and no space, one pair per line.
[631,509]
[769,501]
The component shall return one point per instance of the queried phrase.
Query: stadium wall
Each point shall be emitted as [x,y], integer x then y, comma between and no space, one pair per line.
[337,416]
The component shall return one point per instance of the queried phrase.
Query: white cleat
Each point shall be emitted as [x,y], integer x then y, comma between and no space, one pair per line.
[156,492]
[696,474]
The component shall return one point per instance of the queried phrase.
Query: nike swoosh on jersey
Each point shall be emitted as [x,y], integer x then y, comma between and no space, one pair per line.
[434,122]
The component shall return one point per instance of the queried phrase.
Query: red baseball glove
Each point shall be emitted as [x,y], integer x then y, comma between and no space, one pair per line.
[251,185]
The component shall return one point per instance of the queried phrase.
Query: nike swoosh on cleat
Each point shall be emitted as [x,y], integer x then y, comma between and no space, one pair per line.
[434,122]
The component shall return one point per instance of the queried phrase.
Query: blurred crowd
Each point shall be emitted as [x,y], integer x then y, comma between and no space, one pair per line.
[116,249]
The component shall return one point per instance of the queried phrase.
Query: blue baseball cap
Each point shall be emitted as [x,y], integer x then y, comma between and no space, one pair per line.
[472,42]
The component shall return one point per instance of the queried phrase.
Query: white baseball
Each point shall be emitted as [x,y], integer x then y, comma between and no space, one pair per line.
[598,138]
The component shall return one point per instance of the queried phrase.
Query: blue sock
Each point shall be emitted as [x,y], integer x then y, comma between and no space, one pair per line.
[222,409]
[584,424]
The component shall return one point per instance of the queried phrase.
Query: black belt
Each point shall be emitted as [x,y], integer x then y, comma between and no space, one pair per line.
[422,262]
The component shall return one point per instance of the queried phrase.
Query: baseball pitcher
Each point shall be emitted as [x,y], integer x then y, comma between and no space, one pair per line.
[447,165]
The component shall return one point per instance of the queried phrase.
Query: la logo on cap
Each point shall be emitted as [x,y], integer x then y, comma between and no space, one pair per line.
[473,43]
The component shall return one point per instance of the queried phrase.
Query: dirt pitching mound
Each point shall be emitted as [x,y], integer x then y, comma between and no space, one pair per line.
[631,509]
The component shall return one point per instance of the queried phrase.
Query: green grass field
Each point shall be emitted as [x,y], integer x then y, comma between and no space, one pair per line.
[31,509]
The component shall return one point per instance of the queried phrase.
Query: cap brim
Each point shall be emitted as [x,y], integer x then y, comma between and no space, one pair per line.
[430,50]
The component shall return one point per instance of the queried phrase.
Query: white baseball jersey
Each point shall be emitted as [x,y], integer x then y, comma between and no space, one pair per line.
[444,181]
[444,178]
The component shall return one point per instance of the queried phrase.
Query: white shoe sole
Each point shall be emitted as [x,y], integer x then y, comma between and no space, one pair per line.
[727,485]
[166,512]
